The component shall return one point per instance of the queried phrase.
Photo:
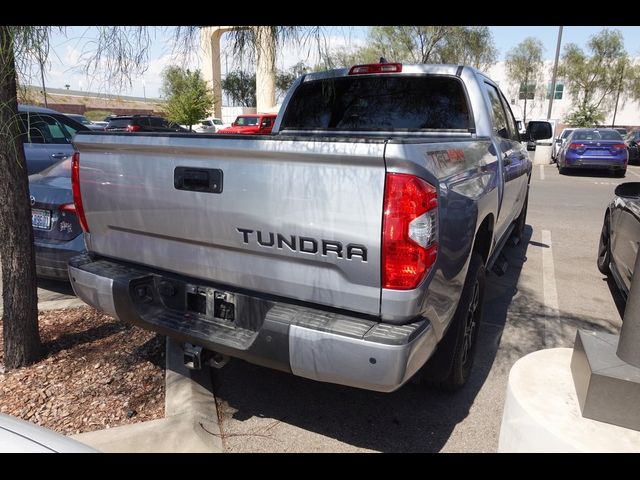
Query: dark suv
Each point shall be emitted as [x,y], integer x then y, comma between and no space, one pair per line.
[142,123]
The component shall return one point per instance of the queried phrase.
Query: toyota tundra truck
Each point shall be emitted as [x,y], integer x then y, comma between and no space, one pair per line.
[350,246]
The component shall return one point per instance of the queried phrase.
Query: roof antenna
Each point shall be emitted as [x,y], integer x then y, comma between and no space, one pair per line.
[383,60]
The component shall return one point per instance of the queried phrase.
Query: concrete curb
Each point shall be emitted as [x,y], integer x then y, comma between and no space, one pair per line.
[190,423]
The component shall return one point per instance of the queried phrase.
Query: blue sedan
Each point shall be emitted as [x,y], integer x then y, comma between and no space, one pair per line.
[594,148]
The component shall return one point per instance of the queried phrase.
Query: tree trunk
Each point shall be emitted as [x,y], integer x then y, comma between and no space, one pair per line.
[19,288]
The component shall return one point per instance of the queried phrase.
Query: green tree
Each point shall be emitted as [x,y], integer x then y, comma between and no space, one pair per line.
[189,99]
[472,46]
[585,116]
[284,79]
[524,69]
[241,87]
[595,75]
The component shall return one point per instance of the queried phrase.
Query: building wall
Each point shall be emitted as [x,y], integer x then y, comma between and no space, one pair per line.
[628,114]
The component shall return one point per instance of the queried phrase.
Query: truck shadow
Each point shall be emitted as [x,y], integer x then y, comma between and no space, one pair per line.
[412,419]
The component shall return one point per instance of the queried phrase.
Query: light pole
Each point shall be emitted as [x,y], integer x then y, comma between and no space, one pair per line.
[555,73]
[44,89]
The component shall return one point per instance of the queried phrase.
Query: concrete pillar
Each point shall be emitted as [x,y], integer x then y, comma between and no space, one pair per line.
[210,51]
[265,69]
[630,333]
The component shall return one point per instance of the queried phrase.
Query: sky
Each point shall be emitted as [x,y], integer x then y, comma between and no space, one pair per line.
[65,64]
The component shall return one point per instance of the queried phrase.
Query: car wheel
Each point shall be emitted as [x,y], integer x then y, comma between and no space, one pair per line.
[450,367]
[621,173]
[563,170]
[604,250]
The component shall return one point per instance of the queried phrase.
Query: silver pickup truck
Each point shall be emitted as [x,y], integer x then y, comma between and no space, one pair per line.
[350,246]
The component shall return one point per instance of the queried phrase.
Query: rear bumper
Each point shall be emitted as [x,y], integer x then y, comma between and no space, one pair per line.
[52,258]
[311,343]
[597,162]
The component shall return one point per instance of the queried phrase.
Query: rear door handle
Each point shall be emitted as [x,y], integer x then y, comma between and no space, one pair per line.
[198,179]
[59,155]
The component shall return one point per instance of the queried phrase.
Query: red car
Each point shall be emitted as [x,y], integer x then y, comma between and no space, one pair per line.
[252,124]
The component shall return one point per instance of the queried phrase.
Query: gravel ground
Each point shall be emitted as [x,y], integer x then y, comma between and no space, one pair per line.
[96,373]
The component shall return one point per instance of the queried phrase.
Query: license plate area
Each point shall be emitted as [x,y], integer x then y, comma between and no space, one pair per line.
[41,219]
[211,303]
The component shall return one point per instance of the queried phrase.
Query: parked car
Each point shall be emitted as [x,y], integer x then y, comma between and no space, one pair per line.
[621,130]
[20,436]
[620,236]
[350,246]
[632,141]
[208,125]
[594,148]
[57,232]
[142,123]
[252,124]
[85,121]
[559,141]
[47,136]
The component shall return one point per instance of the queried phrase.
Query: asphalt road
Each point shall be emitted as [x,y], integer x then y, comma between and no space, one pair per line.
[552,287]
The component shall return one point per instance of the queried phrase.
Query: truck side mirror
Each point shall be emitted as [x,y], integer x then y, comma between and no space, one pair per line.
[628,190]
[539,130]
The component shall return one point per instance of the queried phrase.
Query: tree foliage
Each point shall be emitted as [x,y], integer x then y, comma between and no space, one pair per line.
[284,79]
[594,75]
[585,116]
[241,87]
[472,46]
[524,67]
[189,99]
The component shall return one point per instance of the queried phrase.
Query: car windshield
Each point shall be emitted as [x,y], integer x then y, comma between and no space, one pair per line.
[597,135]
[246,121]
[119,122]
[217,121]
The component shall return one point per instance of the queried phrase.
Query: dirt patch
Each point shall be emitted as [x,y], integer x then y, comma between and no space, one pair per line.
[97,372]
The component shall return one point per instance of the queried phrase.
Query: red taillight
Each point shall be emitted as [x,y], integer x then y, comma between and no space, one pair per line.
[133,128]
[68,207]
[376,68]
[75,187]
[410,224]
[576,146]
[619,146]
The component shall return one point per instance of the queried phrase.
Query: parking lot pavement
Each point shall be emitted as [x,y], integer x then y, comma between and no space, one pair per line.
[551,288]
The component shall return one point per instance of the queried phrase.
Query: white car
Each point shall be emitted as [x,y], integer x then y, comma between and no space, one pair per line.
[208,125]
[18,436]
[559,142]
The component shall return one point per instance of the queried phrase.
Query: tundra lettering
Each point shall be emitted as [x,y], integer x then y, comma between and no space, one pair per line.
[305,244]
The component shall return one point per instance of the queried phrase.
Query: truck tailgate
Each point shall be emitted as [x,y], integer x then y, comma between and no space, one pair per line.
[298,219]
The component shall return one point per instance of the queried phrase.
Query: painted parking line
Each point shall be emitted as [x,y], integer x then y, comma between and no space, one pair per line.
[541,172]
[633,173]
[548,284]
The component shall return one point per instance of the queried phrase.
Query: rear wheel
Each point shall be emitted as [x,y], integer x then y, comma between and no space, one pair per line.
[604,250]
[563,170]
[450,367]
[621,173]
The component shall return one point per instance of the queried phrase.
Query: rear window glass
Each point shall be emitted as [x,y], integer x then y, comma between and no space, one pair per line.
[597,135]
[120,122]
[391,102]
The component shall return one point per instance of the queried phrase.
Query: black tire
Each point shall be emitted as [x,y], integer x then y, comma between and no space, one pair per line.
[521,222]
[620,173]
[450,367]
[563,170]
[604,249]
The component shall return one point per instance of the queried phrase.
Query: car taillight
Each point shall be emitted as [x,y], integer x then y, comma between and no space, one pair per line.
[68,207]
[576,146]
[133,128]
[75,187]
[376,68]
[619,146]
[410,231]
